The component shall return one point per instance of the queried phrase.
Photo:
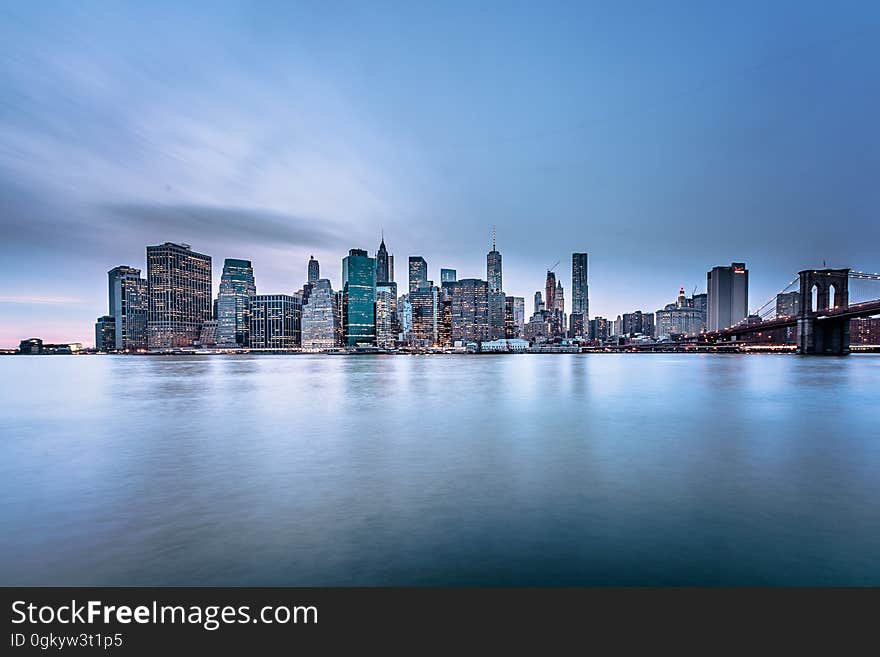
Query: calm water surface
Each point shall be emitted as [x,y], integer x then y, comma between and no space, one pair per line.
[526,469]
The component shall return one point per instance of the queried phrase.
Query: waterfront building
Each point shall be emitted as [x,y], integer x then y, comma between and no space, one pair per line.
[320,317]
[469,311]
[237,286]
[386,315]
[105,333]
[384,265]
[30,346]
[179,291]
[418,273]
[637,323]
[505,345]
[128,303]
[447,276]
[728,296]
[359,298]
[275,321]
[208,334]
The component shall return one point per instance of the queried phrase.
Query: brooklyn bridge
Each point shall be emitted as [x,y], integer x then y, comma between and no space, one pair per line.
[825,302]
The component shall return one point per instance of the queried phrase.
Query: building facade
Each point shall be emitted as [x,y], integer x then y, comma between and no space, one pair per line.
[359,298]
[320,317]
[728,296]
[237,286]
[447,276]
[128,304]
[418,273]
[386,315]
[179,291]
[469,310]
[105,333]
[275,321]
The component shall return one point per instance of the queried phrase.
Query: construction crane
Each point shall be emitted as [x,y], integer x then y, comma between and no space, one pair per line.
[553,266]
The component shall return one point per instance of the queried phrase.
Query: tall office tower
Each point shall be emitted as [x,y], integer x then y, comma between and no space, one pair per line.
[384,265]
[560,298]
[539,303]
[236,288]
[648,325]
[275,321]
[728,295]
[314,270]
[359,298]
[128,304]
[179,282]
[469,310]
[386,315]
[580,290]
[447,276]
[514,317]
[496,293]
[700,302]
[550,292]
[320,317]
[424,304]
[105,333]
[418,273]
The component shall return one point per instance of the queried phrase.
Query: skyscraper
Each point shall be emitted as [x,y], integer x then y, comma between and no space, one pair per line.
[469,310]
[359,298]
[320,317]
[314,270]
[539,302]
[236,288]
[447,276]
[580,291]
[550,292]
[105,333]
[580,296]
[496,295]
[386,315]
[128,304]
[424,303]
[384,265]
[728,295]
[418,273]
[514,317]
[179,282]
[275,321]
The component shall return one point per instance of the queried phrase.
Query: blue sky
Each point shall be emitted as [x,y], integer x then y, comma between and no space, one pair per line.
[662,138]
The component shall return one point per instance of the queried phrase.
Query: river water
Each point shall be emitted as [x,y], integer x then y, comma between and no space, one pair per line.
[440,470]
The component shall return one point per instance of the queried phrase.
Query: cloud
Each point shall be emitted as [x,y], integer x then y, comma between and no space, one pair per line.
[240,224]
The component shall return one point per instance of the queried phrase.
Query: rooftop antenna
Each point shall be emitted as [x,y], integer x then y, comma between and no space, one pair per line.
[493,237]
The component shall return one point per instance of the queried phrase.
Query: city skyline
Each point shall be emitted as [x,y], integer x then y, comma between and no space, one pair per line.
[644,131]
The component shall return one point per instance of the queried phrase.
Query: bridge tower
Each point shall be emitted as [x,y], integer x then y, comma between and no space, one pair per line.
[821,292]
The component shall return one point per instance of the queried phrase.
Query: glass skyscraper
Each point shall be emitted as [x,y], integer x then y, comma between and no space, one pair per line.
[320,318]
[179,282]
[314,270]
[275,321]
[447,276]
[469,310]
[418,273]
[728,296]
[359,298]
[496,295]
[128,304]
[386,315]
[236,287]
